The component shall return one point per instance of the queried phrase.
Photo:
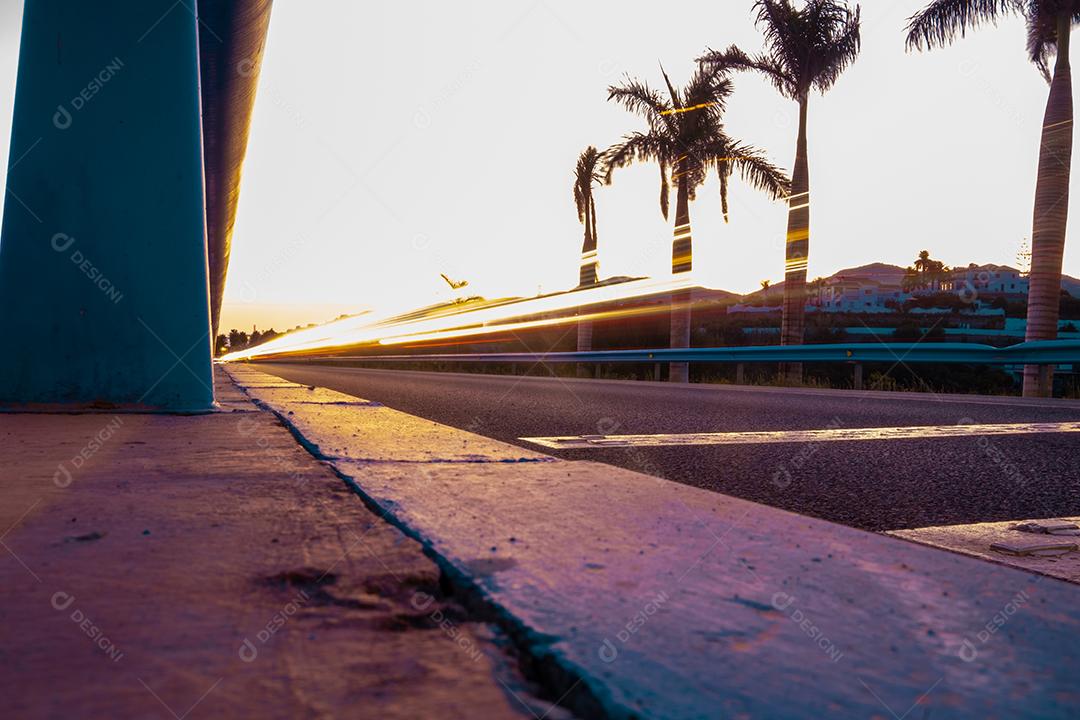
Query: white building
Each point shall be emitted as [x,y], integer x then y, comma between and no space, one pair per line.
[878,288]
[871,288]
[990,280]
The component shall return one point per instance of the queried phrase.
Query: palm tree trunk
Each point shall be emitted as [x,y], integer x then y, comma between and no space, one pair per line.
[587,276]
[592,217]
[1051,214]
[587,273]
[798,244]
[681,262]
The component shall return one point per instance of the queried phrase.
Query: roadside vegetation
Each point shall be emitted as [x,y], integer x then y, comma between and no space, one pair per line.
[807,46]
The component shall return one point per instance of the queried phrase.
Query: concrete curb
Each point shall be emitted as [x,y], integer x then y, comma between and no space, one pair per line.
[639,597]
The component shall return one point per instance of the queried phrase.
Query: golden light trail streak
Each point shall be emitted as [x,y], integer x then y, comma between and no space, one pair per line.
[526,325]
[676,111]
[468,321]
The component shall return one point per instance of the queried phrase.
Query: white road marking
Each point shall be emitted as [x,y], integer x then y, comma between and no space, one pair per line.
[577,442]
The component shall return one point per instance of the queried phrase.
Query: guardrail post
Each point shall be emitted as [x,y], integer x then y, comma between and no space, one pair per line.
[858,376]
[740,374]
[656,372]
[584,344]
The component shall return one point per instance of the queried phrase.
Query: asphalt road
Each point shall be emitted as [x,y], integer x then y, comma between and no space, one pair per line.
[873,484]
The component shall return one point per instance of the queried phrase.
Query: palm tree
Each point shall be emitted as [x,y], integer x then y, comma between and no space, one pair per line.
[686,138]
[805,49]
[1049,25]
[925,273]
[817,288]
[586,177]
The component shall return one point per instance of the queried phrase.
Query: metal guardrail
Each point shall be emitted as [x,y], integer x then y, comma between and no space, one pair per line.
[1044,352]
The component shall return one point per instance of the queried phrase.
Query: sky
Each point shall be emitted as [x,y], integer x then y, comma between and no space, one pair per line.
[392,142]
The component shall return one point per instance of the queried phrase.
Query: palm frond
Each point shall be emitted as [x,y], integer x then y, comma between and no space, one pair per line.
[943,21]
[782,28]
[1041,38]
[838,48]
[676,103]
[642,100]
[735,59]
[753,167]
[708,89]
[688,139]
[1042,30]
[776,20]
[806,47]
[635,147]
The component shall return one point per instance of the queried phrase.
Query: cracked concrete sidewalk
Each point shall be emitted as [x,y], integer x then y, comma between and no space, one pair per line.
[208,566]
[633,596]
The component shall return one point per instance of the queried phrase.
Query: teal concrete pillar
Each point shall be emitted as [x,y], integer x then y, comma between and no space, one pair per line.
[104,298]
